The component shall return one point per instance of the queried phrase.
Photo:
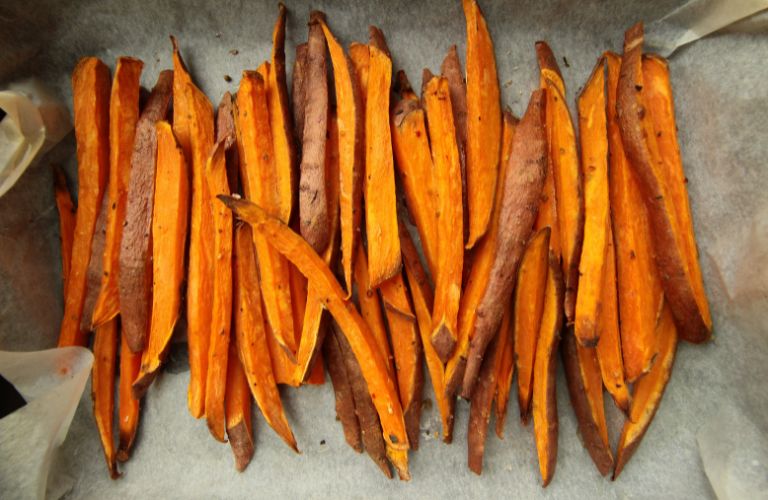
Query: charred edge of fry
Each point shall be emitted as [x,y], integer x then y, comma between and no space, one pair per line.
[242,445]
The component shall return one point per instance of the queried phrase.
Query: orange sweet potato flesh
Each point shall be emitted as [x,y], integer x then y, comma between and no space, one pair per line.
[342,391]
[645,109]
[648,391]
[483,122]
[251,336]
[413,160]
[567,178]
[423,298]
[90,90]
[407,351]
[67,218]
[257,173]
[585,387]
[135,272]
[638,284]
[449,233]
[379,183]
[221,315]
[129,405]
[545,373]
[238,411]
[529,307]
[480,269]
[609,348]
[659,102]
[169,230]
[350,122]
[505,369]
[103,389]
[594,161]
[517,213]
[313,206]
[123,116]
[362,343]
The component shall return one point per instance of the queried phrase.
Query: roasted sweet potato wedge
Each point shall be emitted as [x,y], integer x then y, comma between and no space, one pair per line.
[103,389]
[342,391]
[299,92]
[238,411]
[505,369]
[646,120]
[129,405]
[67,218]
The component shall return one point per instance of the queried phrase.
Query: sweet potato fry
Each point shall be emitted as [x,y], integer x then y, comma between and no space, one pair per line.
[238,408]
[67,218]
[370,425]
[313,205]
[585,387]
[517,213]
[103,389]
[257,173]
[483,122]
[361,62]
[90,91]
[349,109]
[406,347]
[363,344]
[480,270]
[413,160]
[609,347]
[639,287]
[134,284]
[129,405]
[221,315]
[251,336]
[529,307]
[123,116]
[169,234]
[342,391]
[95,263]
[594,161]
[646,120]
[451,70]
[299,91]
[379,185]
[449,233]
[566,174]
[422,296]
[545,372]
[505,369]
[648,391]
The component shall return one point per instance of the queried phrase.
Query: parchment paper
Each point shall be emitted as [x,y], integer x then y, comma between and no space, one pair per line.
[722,113]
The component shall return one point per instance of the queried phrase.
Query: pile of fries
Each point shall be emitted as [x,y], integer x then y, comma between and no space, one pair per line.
[280,226]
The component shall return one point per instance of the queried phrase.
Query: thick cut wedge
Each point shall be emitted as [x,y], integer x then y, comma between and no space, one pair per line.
[238,410]
[103,389]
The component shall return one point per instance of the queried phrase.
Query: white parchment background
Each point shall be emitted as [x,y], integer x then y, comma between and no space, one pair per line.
[722,111]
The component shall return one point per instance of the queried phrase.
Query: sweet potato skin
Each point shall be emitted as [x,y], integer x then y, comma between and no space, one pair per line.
[90,89]
[135,272]
[522,189]
[95,266]
[67,218]
[299,91]
[238,411]
[342,391]
[642,149]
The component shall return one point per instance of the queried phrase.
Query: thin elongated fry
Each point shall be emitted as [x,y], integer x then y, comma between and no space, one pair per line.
[349,109]
[594,161]
[639,288]
[363,345]
[483,122]
[449,234]
[648,391]
[505,369]
[135,273]
[123,116]
[129,405]
[90,91]
[251,336]
[238,410]
[379,186]
[529,307]
[169,231]
[644,108]
[299,91]
[254,138]
[221,315]
[423,298]
[67,219]
[566,175]
[342,390]
[103,389]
